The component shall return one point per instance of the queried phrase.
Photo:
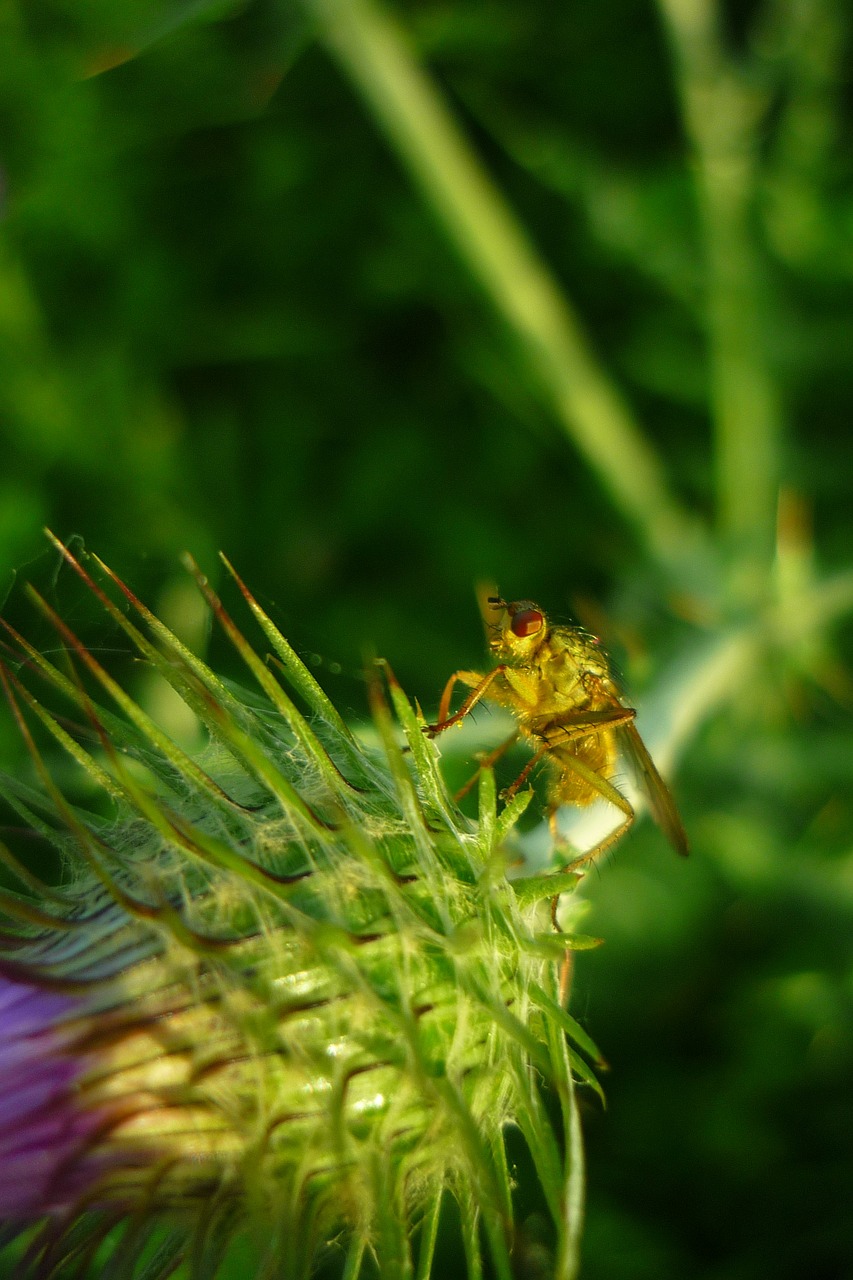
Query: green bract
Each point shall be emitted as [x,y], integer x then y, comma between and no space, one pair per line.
[297,1001]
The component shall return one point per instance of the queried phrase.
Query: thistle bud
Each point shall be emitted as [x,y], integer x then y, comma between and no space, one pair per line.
[285,994]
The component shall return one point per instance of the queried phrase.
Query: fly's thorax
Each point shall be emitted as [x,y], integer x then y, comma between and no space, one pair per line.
[582,649]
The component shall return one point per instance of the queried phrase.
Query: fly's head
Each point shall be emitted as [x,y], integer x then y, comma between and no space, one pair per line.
[518,631]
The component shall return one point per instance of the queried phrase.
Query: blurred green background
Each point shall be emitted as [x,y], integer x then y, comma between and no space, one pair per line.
[384,301]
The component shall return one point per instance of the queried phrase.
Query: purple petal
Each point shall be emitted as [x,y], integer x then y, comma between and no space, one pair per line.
[44,1124]
[26,1010]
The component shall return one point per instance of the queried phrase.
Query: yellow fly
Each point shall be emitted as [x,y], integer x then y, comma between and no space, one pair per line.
[557,683]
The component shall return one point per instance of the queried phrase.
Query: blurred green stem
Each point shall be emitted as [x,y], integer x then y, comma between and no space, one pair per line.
[715,672]
[721,117]
[806,43]
[374,54]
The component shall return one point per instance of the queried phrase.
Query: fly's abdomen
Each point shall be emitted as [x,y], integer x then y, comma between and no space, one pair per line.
[573,762]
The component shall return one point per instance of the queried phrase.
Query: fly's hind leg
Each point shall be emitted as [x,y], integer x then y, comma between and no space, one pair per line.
[556,730]
[608,792]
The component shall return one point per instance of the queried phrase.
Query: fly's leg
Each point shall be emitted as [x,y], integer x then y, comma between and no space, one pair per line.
[469,678]
[486,762]
[571,725]
[479,686]
[580,724]
[608,792]
[509,792]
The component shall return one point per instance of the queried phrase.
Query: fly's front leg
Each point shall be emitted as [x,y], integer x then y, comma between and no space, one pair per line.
[469,678]
[479,686]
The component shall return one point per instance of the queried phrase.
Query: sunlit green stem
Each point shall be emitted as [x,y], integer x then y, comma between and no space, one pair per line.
[716,672]
[707,677]
[374,53]
[721,116]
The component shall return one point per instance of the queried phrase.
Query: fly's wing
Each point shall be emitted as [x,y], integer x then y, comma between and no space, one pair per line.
[654,789]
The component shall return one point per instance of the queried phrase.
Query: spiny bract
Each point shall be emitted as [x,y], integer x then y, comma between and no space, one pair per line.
[284,998]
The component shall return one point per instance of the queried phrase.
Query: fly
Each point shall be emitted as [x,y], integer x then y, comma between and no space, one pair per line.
[557,682]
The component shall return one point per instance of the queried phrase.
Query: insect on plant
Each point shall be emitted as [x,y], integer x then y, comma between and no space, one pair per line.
[557,683]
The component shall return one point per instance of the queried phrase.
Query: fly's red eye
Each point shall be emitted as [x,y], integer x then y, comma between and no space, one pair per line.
[526,623]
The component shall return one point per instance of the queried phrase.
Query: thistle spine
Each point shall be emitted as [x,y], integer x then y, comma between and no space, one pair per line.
[290,984]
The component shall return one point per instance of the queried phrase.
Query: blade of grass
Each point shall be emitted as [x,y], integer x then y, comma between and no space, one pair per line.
[722,116]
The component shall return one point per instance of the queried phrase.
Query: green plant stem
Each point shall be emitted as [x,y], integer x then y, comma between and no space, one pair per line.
[374,54]
[803,47]
[721,118]
[714,673]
